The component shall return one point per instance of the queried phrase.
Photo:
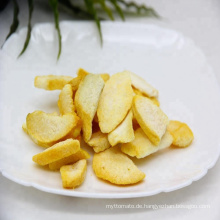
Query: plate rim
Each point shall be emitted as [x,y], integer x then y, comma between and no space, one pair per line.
[115,195]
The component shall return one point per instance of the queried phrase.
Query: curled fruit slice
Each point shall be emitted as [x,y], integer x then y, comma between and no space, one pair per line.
[47,129]
[99,141]
[151,118]
[51,82]
[115,102]
[114,166]
[86,101]
[141,146]
[65,102]
[182,134]
[73,175]
[57,152]
[153,99]
[124,133]
[81,74]
[143,86]
[79,155]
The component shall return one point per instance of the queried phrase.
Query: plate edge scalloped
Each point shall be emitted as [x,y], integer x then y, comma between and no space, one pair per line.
[117,195]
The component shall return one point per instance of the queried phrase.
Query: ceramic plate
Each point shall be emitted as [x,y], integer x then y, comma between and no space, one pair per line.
[188,91]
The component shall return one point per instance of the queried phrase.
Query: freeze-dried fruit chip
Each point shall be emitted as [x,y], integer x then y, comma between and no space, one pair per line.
[99,141]
[182,134]
[51,82]
[151,118]
[86,101]
[73,175]
[79,155]
[114,166]
[24,125]
[143,86]
[115,102]
[153,99]
[77,80]
[57,152]
[47,129]
[124,133]
[141,146]
[65,102]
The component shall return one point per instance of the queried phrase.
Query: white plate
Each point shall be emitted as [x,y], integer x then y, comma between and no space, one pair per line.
[169,61]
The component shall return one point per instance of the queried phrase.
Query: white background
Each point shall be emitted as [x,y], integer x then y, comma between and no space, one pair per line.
[197,19]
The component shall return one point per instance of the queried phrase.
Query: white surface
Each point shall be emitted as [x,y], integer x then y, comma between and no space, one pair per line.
[161,56]
[201,21]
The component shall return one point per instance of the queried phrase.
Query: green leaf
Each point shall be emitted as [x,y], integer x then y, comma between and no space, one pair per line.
[54,5]
[140,9]
[92,11]
[106,9]
[118,9]
[15,22]
[75,9]
[28,36]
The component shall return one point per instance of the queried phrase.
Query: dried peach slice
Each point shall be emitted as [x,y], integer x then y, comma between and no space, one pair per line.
[47,129]
[73,175]
[99,141]
[65,102]
[124,133]
[182,134]
[79,155]
[115,101]
[150,117]
[86,101]
[114,166]
[51,82]
[57,152]
[77,80]
[141,146]
[143,86]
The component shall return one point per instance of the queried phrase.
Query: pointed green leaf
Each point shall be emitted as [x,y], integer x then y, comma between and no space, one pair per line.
[28,36]
[118,9]
[15,22]
[140,9]
[106,9]
[92,11]
[54,6]
[68,4]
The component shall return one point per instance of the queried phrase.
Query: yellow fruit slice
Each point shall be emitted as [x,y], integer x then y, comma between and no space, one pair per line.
[86,101]
[153,99]
[99,142]
[77,80]
[143,86]
[57,152]
[47,129]
[124,133]
[141,146]
[151,118]
[182,134]
[114,166]
[79,155]
[51,82]
[73,175]
[65,102]
[115,102]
